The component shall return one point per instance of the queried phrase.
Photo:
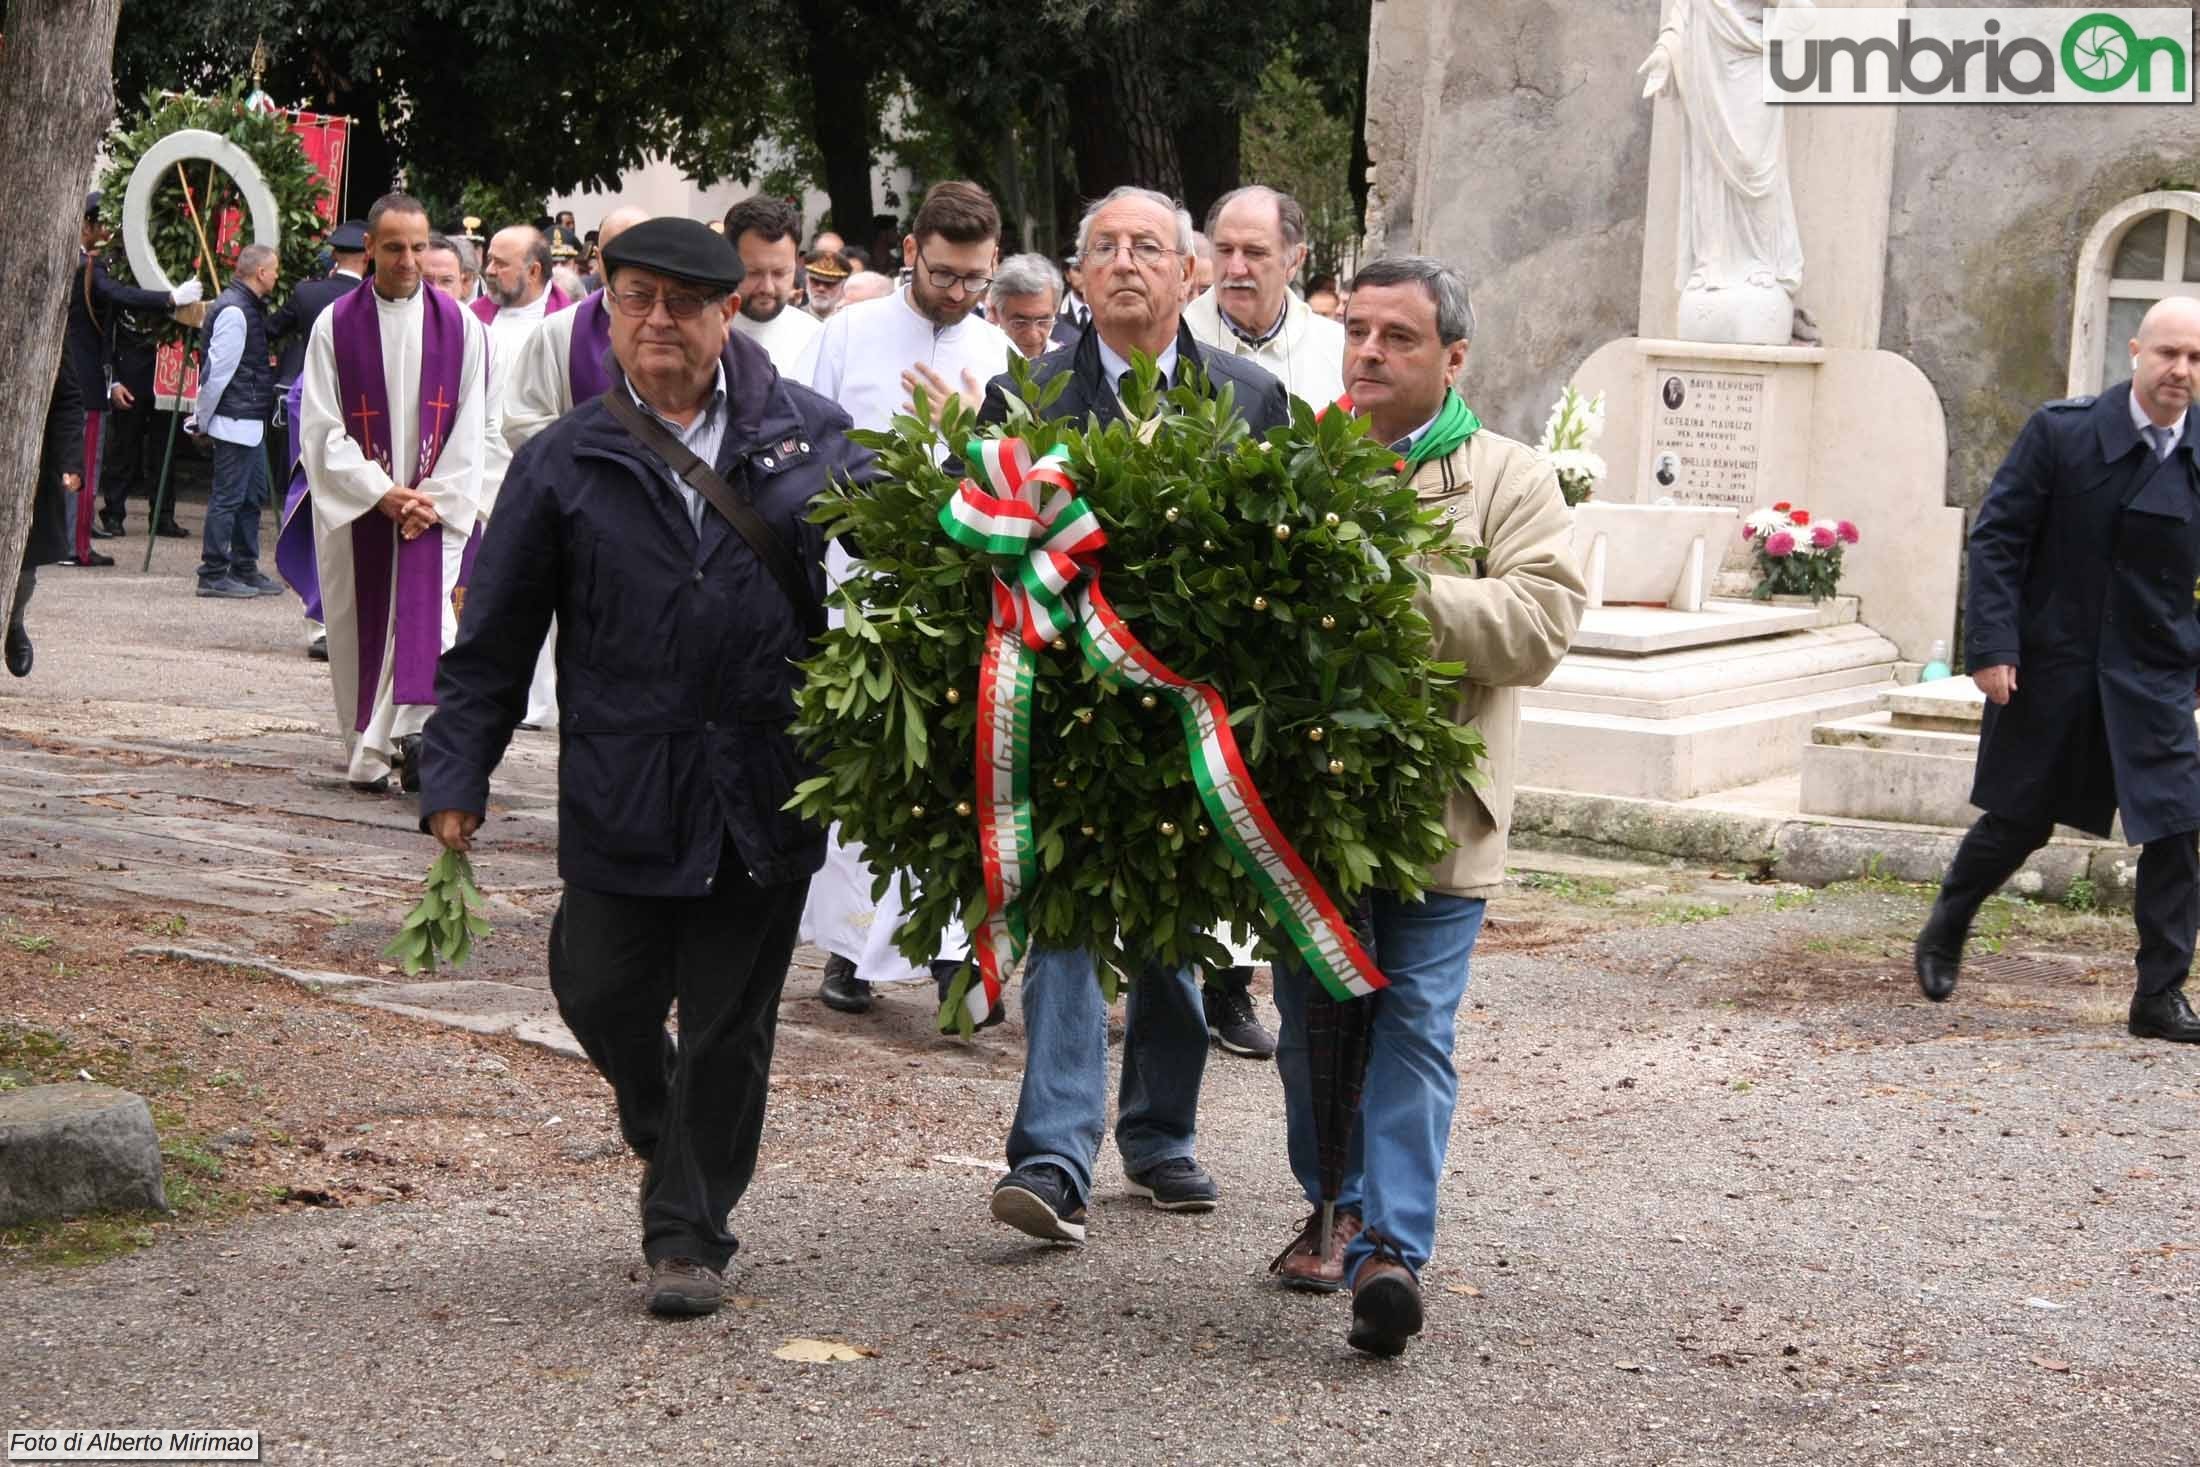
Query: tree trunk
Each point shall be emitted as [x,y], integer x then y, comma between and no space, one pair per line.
[56,99]
[841,69]
[1125,137]
[1207,145]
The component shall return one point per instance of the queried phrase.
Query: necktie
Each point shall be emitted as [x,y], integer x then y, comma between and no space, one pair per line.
[2158,437]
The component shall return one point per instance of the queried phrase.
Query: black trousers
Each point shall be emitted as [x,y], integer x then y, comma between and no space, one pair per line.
[125,457]
[616,965]
[2165,907]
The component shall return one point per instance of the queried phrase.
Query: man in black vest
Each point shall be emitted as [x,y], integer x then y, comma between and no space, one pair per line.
[2084,579]
[96,304]
[1136,250]
[236,395]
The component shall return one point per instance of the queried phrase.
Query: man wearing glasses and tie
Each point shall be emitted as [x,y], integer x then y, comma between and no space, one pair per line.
[1135,247]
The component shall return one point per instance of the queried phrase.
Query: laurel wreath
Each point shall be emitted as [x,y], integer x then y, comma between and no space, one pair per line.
[1283,571]
[265,137]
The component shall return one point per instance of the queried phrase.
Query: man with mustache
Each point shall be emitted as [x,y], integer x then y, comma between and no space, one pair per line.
[2080,629]
[1260,244]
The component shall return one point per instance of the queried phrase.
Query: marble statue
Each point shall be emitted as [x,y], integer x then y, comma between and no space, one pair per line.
[1741,256]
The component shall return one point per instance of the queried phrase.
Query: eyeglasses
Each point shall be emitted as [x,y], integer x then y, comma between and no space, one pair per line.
[1146,252]
[948,279]
[1027,323]
[679,305]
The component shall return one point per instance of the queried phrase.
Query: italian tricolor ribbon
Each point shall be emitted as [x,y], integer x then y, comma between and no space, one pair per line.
[1029,515]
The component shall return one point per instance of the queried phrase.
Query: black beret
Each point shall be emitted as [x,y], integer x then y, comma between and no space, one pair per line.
[680,248]
[349,236]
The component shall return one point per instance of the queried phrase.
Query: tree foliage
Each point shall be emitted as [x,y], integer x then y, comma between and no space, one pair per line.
[1044,104]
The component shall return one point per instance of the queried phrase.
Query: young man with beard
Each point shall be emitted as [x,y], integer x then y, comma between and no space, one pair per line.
[765,232]
[871,359]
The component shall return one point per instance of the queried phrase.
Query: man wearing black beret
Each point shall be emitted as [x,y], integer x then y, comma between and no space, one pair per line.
[665,525]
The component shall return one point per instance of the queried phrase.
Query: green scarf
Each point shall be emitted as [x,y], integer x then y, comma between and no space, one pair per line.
[1455,424]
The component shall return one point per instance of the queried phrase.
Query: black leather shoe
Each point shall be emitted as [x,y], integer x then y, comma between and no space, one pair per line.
[107,530]
[1936,971]
[19,651]
[2165,1015]
[317,649]
[90,557]
[170,530]
[407,762]
[944,972]
[842,989]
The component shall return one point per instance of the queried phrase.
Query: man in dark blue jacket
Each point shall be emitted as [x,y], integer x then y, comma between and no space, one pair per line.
[2081,631]
[678,627]
[1136,246]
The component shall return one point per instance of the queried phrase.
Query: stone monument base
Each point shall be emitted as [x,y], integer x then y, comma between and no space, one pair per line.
[1848,435]
[1752,315]
[1668,705]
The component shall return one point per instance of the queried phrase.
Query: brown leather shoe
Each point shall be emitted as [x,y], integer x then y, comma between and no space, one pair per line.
[1303,1265]
[681,1286]
[1386,1307]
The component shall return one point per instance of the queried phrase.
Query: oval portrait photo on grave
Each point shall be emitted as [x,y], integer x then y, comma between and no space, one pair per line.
[1675,393]
[1668,465]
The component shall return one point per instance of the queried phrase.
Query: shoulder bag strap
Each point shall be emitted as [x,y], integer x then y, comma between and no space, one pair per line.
[738,512]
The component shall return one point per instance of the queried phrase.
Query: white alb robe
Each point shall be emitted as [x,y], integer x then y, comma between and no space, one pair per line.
[787,338]
[347,483]
[535,390]
[862,352]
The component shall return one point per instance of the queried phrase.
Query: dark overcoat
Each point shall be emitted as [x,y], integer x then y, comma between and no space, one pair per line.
[96,303]
[62,452]
[675,652]
[290,325]
[1259,397]
[2084,567]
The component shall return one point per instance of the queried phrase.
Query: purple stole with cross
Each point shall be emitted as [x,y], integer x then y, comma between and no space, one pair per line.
[375,541]
[586,359]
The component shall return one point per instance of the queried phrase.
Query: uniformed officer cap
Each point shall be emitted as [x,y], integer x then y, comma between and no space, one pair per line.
[349,236]
[680,248]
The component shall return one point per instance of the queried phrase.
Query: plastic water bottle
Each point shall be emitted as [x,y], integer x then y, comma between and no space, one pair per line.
[1936,662]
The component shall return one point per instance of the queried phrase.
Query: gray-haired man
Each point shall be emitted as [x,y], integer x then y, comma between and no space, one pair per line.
[1024,301]
[236,398]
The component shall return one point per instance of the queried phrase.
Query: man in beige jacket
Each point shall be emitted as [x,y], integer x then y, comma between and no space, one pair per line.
[1509,618]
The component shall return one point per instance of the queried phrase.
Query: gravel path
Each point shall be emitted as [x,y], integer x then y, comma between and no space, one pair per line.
[1722,1189]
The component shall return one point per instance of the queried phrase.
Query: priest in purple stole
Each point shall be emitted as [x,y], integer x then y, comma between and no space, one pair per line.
[392,437]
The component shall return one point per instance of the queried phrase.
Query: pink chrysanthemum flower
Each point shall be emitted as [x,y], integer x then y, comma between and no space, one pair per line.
[1847,532]
[1822,537]
[1779,544]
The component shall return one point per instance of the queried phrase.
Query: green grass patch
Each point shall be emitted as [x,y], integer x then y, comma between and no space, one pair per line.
[1589,890]
[1680,914]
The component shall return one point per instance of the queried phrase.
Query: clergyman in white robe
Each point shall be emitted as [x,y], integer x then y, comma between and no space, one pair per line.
[860,355]
[347,482]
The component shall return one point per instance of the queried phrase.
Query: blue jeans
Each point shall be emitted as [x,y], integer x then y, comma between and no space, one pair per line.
[1063,1106]
[1396,1156]
[230,549]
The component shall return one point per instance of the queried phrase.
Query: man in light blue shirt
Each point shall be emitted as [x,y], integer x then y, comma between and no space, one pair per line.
[236,396]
